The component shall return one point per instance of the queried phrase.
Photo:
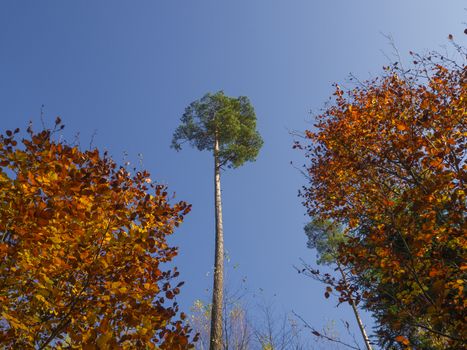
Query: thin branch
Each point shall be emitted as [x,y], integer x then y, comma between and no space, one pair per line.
[321,335]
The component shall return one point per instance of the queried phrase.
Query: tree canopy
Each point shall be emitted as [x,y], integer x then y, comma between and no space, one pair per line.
[82,251]
[231,120]
[326,237]
[388,162]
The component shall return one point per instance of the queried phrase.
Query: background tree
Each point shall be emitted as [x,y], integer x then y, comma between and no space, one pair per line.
[248,328]
[275,331]
[388,161]
[236,328]
[226,127]
[82,249]
[327,237]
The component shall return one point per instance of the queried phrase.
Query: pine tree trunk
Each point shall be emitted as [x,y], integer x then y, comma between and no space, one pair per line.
[357,314]
[218,288]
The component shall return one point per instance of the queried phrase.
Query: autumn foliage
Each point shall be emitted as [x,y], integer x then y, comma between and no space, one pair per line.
[82,251]
[388,161]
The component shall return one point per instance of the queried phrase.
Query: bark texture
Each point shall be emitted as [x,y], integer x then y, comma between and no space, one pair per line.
[357,314]
[218,288]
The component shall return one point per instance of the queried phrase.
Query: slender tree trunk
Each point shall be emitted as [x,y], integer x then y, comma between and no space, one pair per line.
[355,311]
[218,288]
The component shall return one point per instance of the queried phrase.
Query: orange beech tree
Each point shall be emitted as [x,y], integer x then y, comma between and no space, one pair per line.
[82,249]
[388,161]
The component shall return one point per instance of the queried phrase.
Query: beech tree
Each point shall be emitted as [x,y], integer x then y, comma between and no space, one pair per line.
[225,126]
[388,162]
[82,251]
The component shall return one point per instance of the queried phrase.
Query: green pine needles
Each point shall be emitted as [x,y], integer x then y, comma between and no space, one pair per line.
[231,120]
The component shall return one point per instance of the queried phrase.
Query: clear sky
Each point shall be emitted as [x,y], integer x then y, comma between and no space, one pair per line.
[127,69]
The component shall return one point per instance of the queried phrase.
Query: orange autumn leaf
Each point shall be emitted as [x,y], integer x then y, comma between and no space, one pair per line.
[403,340]
[401,127]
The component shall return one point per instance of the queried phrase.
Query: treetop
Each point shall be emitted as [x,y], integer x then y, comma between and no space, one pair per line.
[232,121]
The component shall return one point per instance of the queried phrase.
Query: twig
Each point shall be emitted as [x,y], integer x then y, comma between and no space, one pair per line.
[321,335]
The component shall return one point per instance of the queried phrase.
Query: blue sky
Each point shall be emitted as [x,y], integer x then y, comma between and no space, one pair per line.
[125,70]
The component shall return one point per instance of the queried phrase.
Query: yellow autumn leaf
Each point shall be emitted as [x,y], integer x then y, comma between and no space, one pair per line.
[55,239]
[40,298]
[48,280]
[14,322]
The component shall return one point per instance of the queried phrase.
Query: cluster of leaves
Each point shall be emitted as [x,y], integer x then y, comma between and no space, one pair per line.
[326,238]
[230,121]
[82,246]
[388,161]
